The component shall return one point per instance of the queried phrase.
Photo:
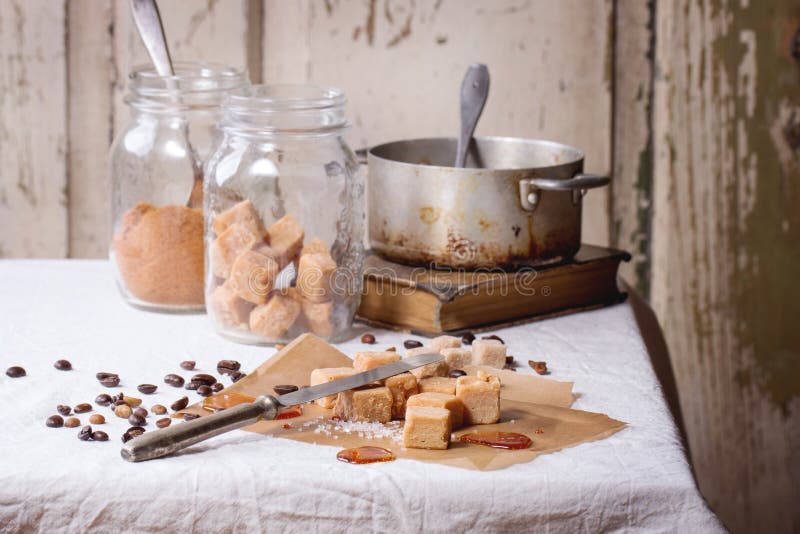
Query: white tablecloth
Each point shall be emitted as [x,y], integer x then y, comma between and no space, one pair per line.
[638,479]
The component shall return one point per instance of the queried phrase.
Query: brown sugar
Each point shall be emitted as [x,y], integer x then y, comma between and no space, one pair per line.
[159,254]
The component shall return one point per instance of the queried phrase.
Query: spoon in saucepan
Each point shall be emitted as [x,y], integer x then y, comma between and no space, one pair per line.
[474,92]
[151,30]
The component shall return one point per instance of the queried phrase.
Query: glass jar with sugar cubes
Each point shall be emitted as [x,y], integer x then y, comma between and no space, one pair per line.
[284,208]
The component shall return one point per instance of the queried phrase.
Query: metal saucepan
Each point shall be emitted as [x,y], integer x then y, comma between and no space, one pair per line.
[517,202]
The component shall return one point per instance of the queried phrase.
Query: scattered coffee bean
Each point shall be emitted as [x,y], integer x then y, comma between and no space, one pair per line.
[136,431]
[188,365]
[158,409]
[120,402]
[104,399]
[97,419]
[391,349]
[217,387]
[283,389]
[126,437]
[203,379]
[226,367]
[164,422]
[115,400]
[136,420]
[63,365]
[192,386]
[109,380]
[83,407]
[133,402]
[123,411]
[509,360]
[141,412]
[236,376]
[180,404]
[468,338]
[455,373]
[85,433]
[496,338]
[539,367]
[369,339]
[15,371]
[55,421]
[205,391]
[63,410]
[190,416]
[72,422]
[174,380]
[99,435]
[147,389]
[412,343]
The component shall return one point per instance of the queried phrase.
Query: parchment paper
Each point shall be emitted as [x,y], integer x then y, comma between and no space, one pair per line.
[535,406]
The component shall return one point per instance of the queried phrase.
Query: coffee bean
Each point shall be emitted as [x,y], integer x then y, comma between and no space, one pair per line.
[190,416]
[188,365]
[203,379]
[412,343]
[217,387]
[97,419]
[226,367]
[136,420]
[126,437]
[104,399]
[164,422]
[455,373]
[118,397]
[110,381]
[509,360]
[141,412]
[369,339]
[133,402]
[283,389]
[158,409]
[85,433]
[99,435]
[63,410]
[83,407]
[173,380]
[539,367]
[63,365]
[236,376]
[180,404]
[147,389]
[192,386]
[15,371]
[120,402]
[72,422]
[496,338]
[136,431]
[205,391]
[391,349]
[467,338]
[123,411]
[55,421]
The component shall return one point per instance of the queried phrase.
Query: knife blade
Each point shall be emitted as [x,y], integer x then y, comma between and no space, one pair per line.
[176,437]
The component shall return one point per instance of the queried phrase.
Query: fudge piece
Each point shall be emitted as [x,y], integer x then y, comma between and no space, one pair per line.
[227,247]
[457,358]
[489,352]
[243,213]
[364,361]
[320,376]
[481,397]
[370,404]
[253,276]
[314,274]
[318,316]
[426,428]
[402,387]
[450,403]
[273,319]
[228,309]
[444,342]
[268,251]
[286,238]
[432,369]
[315,246]
[438,384]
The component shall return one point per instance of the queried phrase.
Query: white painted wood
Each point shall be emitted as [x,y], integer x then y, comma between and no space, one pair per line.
[33,144]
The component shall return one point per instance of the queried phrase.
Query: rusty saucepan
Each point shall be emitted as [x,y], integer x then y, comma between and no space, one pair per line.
[517,202]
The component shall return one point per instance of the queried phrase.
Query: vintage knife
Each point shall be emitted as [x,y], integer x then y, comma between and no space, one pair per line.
[174,438]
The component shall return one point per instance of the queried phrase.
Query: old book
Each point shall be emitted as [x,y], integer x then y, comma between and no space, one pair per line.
[434,301]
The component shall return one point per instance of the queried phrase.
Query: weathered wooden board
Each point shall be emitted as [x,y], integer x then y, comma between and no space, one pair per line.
[401,63]
[726,252]
[33,127]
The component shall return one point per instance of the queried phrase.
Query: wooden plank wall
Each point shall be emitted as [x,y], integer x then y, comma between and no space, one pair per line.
[693,104]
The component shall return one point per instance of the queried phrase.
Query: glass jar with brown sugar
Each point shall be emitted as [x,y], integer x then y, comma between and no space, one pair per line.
[156,176]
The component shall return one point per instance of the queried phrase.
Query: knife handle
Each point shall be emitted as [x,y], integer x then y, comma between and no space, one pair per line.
[174,438]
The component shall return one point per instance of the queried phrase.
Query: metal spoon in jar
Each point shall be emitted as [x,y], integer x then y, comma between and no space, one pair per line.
[474,92]
[151,30]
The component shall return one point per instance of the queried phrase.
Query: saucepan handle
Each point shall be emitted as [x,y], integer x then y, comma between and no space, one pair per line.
[361,155]
[174,438]
[529,187]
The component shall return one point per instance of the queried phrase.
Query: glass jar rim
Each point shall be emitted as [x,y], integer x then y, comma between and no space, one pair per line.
[284,97]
